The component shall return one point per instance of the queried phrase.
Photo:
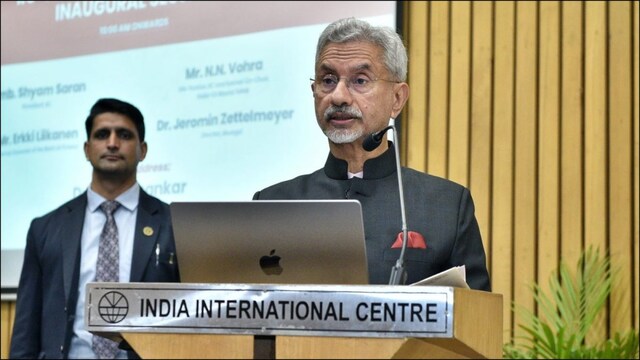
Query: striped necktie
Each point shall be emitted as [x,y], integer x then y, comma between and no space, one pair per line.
[107,270]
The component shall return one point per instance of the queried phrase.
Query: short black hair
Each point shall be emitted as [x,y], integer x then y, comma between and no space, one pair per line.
[119,107]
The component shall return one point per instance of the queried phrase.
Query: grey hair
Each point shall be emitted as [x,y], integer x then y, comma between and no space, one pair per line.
[351,29]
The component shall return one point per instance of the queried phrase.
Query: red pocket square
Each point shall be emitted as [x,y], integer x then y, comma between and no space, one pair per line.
[416,241]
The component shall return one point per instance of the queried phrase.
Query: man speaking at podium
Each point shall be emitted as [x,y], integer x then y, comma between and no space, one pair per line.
[359,85]
[114,231]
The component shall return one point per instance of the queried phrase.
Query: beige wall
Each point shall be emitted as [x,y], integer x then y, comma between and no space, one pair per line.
[534,107]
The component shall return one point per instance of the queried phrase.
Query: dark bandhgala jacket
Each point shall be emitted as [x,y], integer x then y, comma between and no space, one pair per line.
[438,209]
[48,288]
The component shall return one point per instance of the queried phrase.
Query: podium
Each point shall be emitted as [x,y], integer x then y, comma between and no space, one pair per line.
[246,321]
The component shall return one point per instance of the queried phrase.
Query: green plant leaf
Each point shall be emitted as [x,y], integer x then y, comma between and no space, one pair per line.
[567,313]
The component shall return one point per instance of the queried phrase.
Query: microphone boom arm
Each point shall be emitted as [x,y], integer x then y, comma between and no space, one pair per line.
[398,272]
[371,142]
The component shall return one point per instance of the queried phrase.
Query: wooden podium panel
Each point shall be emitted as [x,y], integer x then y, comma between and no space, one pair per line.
[190,346]
[477,322]
[476,334]
[266,321]
[437,349]
[304,347]
[291,347]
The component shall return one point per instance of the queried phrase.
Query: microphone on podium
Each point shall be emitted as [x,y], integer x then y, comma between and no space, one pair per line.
[371,142]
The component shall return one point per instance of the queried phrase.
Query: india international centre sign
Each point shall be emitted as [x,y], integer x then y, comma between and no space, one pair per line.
[314,310]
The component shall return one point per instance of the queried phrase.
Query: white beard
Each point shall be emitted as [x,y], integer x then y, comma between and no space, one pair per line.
[343,136]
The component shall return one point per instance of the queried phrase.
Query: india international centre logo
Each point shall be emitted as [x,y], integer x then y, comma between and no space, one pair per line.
[113,307]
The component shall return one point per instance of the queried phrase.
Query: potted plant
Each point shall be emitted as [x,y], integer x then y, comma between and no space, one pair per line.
[565,316]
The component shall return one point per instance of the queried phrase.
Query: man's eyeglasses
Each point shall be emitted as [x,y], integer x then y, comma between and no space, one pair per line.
[359,83]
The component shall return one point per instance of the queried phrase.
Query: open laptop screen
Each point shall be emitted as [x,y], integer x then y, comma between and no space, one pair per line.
[270,241]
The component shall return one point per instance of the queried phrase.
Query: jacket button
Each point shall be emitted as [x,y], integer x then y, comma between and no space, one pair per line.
[61,348]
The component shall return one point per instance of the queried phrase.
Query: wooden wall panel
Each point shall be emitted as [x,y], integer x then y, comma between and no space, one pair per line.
[546,95]
[459,85]
[7,316]
[549,140]
[571,130]
[481,124]
[437,112]
[501,216]
[525,225]
[620,160]
[635,96]
[4,341]
[596,136]
[414,127]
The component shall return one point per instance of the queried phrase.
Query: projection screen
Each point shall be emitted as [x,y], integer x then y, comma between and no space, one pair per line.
[224,88]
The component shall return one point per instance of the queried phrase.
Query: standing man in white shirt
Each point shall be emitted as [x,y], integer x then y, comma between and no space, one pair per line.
[63,246]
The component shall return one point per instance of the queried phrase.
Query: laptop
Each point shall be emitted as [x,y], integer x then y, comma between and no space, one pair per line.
[270,242]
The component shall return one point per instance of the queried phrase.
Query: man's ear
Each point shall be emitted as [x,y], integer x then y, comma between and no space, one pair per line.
[86,150]
[400,96]
[143,151]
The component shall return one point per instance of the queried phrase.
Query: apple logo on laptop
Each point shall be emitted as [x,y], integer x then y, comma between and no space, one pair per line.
[270,264]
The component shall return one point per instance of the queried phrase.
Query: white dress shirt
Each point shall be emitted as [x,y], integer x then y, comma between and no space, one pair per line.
[94,220]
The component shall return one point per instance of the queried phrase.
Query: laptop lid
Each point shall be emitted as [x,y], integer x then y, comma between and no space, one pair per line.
[270,242]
